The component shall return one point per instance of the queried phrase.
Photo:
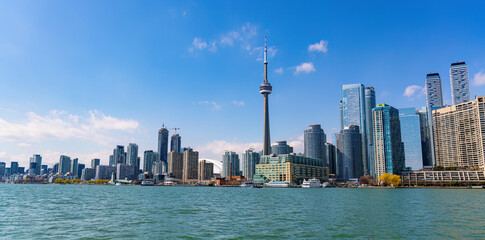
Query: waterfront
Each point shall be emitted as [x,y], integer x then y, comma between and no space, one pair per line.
[136,212]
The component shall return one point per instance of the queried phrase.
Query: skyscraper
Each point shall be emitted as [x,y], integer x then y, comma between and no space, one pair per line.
[191,166]
[434,100]
[74,167]
[119,155]
[425,137]
[14,168]
[80,168]
[281,148]
[331,157]
[388,147]
[2,168]
[175,164]
[353,112]
[64,164]
[94,162]
[460,89]
[230,164]
[132,156]
[250,159]
[314,141]
[176,143]
[266,89]
[163,145]
[38,160]
[148,158]
[411,137]
[370,103]
[205,170]
[349,153]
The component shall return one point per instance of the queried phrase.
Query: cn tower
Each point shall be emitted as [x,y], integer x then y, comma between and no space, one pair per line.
[266,89]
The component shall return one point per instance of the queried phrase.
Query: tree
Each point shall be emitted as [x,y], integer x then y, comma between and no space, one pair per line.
[67,181]
[384,178]
[395,180]
[366,179]
[388,179]
[58,180]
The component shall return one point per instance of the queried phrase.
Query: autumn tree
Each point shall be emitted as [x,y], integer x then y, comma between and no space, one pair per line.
[390,179]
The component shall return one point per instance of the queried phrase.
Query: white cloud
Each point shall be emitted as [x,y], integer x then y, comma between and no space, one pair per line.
[238,103]
[199,44]
[305,68]
[211,103]
[413,92]
[318,47]
[24,145]
[479,78]
[216,148]
[278,70]
[59,125]
[229,38]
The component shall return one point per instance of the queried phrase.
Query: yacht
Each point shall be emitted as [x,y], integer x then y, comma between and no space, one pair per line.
[275,184]
[311,183]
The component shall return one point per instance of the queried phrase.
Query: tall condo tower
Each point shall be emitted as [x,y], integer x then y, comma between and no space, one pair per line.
[163,146]
[266,89]
[460,89]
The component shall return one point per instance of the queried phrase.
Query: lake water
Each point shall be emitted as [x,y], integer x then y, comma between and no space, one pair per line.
[136,212]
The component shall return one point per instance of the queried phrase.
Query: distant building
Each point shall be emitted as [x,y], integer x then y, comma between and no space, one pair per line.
[132,156]
[14,168]
[163,145]
[281,147]
[74,167]
[176,164]
[459,135]
[331,158]
[349,153]
[416,177]
[43,167]
[2,168]
[425,137]
[434,100]
[38,160]
[88,174]
[411,137]
[460,86]
[250,159]
[119,155]
[32,168]
[111,160]
[104,172]
[95,162]
[157,168]
[191,162]
[64,164]
[388,146]
[80,168]
[370,103]
[176,143]
[55,168]
[125,171]
[205,171]
[148,159]
[230,164]
[21,170]
[314,141]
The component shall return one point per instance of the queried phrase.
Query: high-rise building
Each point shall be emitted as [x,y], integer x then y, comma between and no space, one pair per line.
[353,108]
[250,159]
[281,147]
[125,171]
[55,168]
[205,170]
[95,162]
[425,137]
[38,160]
[370,103]
[44,167]
[157,168]
[32,168]
[459,135]
[119,155]
[266,89]
[460,89]
[314,141]
[148,159]
[88,174]
[163,145]
[230,164]
[2,168]
[112,160]
[175,164]
[21,170]
[74,167]
[176,143]
[104,172]
[132,156]
[64,164]
[411,137]
[388,146]
[349,153]
[331,157]
[190,168]
[80,168]
[434,100]
[14,168]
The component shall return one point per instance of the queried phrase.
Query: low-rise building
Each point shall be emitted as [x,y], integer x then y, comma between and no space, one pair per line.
[88,174]
[415,177]
[104,171]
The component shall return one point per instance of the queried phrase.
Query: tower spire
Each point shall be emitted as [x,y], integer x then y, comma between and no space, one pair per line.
[266,89]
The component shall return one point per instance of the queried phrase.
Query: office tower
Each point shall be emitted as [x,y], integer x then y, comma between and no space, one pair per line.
[460,89]
[425,137]
[459,135]
[125,171]
[44,167]
[411,138]
[370,103]
[157,168]
[119,155]
[190,168]
[388,146]
[148,159]
[349,153]
[163,145]
[14,168]
[205,171]
[314,141]
[38,160]
[331,157]
[104,172]
[74,167]
[266,89]
[353,111]
[176,143]
[175,164]
[132,156]
[32,168]
[111,160]
[434,100]
[55,168]
[80,168]
[94,162]
[281,148]
[250,159]
[88,174]
[64,164]
[230,164]
[2,168]
[21,170]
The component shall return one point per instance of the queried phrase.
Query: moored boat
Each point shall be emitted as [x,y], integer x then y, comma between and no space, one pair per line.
[275,184]
[311,183]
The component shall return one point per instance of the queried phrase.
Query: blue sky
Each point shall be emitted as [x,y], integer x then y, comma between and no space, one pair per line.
[79,78]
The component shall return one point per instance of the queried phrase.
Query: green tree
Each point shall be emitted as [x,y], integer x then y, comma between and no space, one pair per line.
[58,180]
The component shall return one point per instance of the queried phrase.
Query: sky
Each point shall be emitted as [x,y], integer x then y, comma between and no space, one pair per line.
[80,77]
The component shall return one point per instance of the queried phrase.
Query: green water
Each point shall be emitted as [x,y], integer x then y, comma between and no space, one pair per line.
[136,212]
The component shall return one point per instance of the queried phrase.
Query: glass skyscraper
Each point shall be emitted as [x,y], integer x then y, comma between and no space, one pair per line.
[38,160]
[314,141]
[95,162]
[230,164]
[74,167]
[370,103]
[132,156]
[349,153]
[460,89]
[64,164]
[148,159]
[163,145]
[425,137]
[434,100]
[176,143]
[250,159]
[281,147]
[411,137]
[119,155]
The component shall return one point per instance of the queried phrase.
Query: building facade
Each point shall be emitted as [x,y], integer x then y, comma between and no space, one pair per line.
[95,162]
[331,158]
[36,158]
[411,137]
[205,170]
[176,164]
[88,174]
[163,145]
[74,167]
[349,153]
[104,172]
[370,103]
[125,171]
[250,159]
[425,137]
[191,164]
[314,142]
[64,164]
[176,143]
[132,155]
[148,159]
[281,147]
[230,164]
[460,86]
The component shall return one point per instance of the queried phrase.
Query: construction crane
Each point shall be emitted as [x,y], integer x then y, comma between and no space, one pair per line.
[175,129]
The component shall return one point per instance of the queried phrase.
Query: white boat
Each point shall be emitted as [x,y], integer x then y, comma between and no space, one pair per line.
[247,184]
[326,184]
[311,183]
[147,183]
[275,184]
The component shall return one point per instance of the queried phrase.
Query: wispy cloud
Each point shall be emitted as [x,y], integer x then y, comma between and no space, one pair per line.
[24,145]
[210,103]
[479,78]
[305,68]
[413,92]
[215,149]
[319,47]
[278,70]
[238,103]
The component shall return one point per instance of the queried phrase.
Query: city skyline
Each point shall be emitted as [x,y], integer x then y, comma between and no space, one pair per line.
[60,104]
